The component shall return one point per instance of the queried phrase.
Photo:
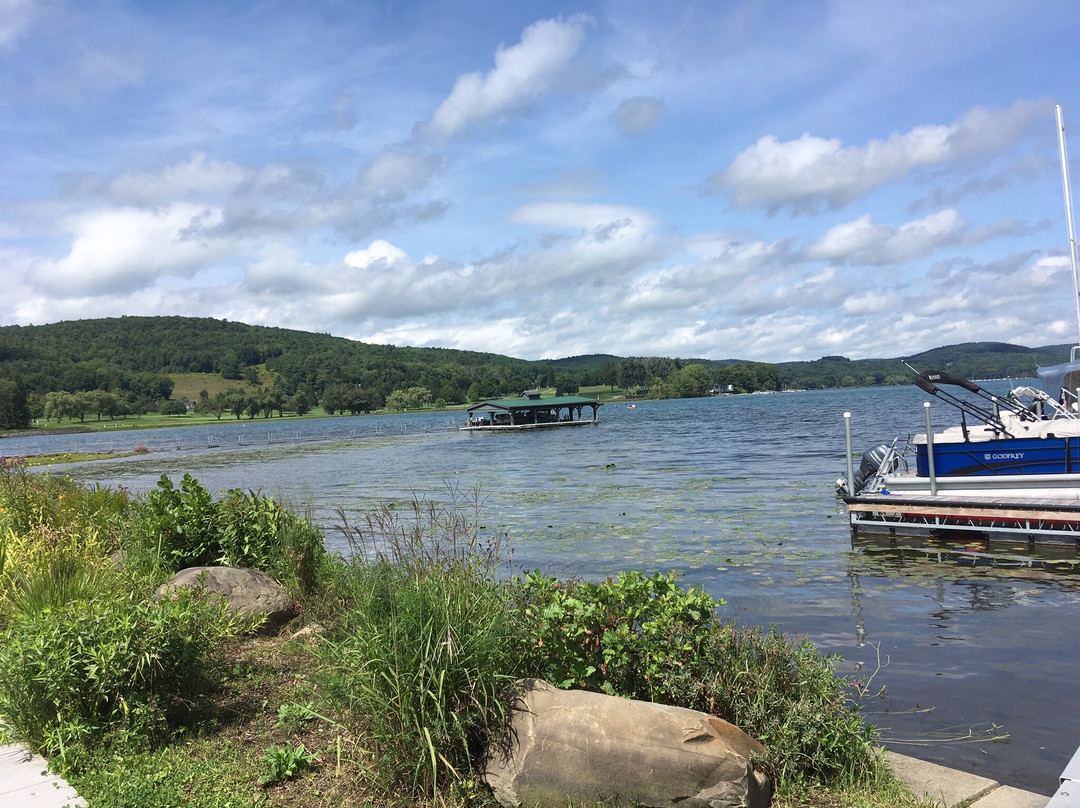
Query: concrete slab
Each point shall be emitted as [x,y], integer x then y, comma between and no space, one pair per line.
[26,782]
[1009,797]
[947,787]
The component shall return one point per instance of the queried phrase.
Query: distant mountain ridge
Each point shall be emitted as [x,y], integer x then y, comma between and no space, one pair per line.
[103,353]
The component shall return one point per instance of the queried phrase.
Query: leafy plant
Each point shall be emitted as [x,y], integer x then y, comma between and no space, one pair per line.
[185,527]
[180,526]
[281,763]
[293,714]
[644,637]
[630,636]
[257,531]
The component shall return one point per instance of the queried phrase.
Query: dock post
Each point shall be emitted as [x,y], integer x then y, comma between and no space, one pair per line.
[930,449]
[850,465]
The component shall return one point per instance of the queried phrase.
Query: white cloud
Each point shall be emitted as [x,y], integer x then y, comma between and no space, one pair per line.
[379,252]
[197,177]
[522,73]
[122,249]
[812,172]
[863,242]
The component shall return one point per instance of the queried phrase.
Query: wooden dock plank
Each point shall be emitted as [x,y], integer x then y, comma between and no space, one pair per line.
[25,781]
[1012,511]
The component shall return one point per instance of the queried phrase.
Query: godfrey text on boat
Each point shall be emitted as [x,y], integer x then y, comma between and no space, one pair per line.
[1014,469]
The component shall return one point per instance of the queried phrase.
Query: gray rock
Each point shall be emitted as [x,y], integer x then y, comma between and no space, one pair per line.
[571,745]
[249,592]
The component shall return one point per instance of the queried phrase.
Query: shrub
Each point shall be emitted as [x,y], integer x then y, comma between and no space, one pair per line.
[257,531]
[56,538]
[108,667]
[28,500]
[185,527]
[49,567]
[179,527]
[632,636]
[787,694]
[644,637]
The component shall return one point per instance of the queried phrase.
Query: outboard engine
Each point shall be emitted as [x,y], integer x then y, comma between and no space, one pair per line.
[871,464]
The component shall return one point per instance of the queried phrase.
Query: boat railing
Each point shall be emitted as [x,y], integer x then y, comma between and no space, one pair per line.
[894,461]
[1048,407]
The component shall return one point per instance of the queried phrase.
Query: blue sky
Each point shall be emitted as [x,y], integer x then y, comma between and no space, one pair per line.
[758,180]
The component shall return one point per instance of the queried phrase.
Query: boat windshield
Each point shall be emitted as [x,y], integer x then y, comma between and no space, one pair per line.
[1056,378]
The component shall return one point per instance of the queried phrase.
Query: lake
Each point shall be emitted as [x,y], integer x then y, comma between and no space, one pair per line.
[737,494]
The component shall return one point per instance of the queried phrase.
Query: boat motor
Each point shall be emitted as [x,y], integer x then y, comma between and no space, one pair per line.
[873,463]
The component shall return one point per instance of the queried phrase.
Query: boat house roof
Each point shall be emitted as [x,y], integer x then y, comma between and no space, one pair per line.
[519,403]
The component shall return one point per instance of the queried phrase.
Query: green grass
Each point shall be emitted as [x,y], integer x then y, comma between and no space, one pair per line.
[189,385]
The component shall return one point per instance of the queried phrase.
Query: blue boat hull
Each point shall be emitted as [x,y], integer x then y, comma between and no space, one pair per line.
[1012,456]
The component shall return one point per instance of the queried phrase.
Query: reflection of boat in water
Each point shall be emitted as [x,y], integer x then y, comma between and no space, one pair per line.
[531,411]
[1015,470]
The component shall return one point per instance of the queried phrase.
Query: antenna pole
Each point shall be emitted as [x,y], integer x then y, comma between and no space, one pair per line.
[1069,218]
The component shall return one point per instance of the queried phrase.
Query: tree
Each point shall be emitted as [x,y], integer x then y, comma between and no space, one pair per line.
[335,398]
[417,397]
[171,407]
[610,373]
[397,400]
[215,405]
[692,381]
[300,402]
[632,374]
[14,412]
[236,401]
[566,384]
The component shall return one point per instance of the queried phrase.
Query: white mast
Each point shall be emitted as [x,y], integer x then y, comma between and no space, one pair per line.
[1069,221]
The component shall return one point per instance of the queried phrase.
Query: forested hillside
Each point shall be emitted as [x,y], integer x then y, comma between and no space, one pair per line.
[127,362]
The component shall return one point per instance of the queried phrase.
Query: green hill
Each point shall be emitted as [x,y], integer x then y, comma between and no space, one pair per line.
[141,356]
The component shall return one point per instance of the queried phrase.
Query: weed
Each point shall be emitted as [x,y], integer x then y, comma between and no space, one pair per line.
[281,763]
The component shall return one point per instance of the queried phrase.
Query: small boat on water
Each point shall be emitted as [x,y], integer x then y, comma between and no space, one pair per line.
[1014,470]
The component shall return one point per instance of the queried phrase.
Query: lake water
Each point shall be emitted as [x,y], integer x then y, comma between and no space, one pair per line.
[737,494]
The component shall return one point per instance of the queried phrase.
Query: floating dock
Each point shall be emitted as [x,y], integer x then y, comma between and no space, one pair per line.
[1038,521]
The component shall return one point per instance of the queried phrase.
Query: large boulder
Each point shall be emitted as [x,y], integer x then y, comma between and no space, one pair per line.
[248,592]
[571,745]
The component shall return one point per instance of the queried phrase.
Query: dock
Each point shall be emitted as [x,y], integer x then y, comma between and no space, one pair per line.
[531,411]
[26,782]
[1038,521]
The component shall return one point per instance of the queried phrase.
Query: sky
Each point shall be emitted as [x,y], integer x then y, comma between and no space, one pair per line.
[759,180]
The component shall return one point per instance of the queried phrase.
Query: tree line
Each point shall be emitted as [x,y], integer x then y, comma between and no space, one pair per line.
[119,367]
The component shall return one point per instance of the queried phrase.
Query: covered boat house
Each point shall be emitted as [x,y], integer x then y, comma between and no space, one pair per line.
[531,411]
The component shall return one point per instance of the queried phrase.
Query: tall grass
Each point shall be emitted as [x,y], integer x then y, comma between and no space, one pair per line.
[426,644]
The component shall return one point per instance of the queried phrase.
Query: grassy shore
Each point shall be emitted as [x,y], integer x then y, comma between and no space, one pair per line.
[394,677]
